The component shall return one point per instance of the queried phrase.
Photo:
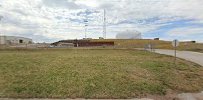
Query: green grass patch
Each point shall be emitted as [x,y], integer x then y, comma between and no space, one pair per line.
[77,73]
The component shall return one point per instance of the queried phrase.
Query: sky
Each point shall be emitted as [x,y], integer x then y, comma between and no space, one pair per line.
[53,20]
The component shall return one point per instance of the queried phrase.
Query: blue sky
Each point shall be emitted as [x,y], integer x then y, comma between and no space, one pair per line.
[53,20]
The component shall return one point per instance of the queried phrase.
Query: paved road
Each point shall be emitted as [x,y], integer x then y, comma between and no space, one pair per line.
[190,56]
[187,55]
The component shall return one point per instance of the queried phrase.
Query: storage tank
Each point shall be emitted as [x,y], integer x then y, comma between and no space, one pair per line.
[129,35]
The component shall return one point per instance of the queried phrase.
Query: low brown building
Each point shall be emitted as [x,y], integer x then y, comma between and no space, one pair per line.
[84,43]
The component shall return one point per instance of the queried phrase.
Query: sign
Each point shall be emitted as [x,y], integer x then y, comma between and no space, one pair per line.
[175,43]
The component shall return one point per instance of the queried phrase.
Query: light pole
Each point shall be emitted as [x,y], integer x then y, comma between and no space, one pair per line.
[1,38]
[86,25]
[86,31]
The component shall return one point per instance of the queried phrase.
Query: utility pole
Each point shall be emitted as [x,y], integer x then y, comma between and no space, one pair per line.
[104,25]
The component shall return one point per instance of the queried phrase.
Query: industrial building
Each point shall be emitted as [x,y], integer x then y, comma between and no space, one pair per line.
[81,43]
[7,40]
[129,35]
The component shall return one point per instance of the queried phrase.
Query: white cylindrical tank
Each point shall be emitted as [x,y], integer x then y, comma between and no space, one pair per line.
[129,35]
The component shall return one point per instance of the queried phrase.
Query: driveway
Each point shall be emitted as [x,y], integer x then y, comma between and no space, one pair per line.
[187,55]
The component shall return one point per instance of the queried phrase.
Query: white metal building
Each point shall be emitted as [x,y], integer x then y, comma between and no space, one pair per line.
[14,40]
[129,35]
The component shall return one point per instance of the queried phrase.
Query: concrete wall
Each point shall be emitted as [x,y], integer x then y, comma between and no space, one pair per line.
[14,40]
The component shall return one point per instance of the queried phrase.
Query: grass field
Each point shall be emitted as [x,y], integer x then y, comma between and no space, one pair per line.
[142,43]
[158,44]
[99,73]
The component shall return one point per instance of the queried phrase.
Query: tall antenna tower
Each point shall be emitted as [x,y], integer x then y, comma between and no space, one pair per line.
[86,25]
[104,25]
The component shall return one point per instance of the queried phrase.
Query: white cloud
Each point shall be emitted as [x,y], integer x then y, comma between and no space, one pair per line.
[185,31]
[70,4]
[88,3]
[58,19]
